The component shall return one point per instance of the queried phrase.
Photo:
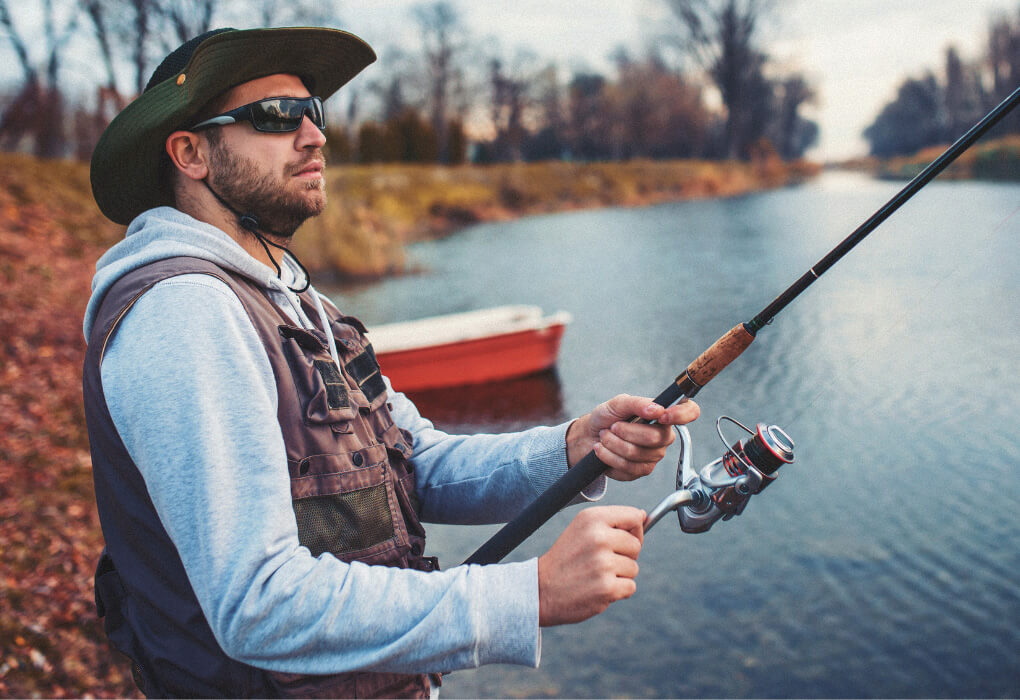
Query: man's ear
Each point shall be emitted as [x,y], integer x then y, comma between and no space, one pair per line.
[185,153]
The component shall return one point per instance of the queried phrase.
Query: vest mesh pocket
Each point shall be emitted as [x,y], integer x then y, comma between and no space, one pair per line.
[344,522]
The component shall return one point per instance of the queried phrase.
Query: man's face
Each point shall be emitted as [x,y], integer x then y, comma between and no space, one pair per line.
[277,177]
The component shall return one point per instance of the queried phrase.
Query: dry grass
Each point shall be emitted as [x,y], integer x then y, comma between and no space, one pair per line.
[998,159]
[375,210]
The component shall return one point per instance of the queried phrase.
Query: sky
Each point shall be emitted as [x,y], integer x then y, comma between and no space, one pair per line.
[854,52]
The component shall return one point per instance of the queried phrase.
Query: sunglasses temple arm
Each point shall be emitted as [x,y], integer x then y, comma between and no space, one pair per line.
[221,120]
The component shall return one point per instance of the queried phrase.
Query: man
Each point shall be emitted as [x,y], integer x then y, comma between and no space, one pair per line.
[260,485]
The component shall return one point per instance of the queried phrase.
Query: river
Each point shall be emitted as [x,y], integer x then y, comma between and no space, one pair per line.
[885,561]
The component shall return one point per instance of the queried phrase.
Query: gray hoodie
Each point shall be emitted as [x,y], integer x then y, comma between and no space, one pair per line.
[192,394]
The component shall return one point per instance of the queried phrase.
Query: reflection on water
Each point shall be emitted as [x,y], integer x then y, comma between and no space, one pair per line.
[496,407]
[883,562]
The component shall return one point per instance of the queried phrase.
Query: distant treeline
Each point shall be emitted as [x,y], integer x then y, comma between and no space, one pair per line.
[939,108]
[705,88]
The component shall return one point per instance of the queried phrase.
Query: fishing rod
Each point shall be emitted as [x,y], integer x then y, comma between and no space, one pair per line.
[726,495]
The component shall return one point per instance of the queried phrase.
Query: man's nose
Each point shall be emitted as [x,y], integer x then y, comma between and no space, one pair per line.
[309,135]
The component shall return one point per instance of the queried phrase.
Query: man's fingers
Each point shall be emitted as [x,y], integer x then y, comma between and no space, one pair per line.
[680,414]
[639,434]
[622,469]
[591,565]
[626,567]
[623,406]
[624,542]
[629,452]
[621,517]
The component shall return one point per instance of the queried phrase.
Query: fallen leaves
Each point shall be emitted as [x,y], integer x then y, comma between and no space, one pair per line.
[51,641]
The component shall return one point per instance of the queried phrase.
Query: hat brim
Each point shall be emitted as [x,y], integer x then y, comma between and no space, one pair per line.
[126,162]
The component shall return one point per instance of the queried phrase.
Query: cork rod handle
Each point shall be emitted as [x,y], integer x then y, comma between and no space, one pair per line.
[721,353]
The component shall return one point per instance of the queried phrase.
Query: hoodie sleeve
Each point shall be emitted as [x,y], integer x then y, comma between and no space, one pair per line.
[482,479]
[192,394]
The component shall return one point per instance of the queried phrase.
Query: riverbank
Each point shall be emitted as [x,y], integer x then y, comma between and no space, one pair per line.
[997,159]
[376,210]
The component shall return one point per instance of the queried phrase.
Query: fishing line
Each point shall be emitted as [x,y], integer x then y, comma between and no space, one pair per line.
[886,333]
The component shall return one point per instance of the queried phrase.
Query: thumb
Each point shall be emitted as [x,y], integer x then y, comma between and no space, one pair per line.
[623,406]
[620,407]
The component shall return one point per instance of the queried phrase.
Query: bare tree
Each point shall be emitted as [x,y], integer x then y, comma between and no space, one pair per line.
[103,29]
[964,101]
[656,112]
[136,28]
[720,37]
[140,32]
[185,19]
[394,86]
[293,13]
[442,37]
[1004,62]
[587,116]
[910,122]
[791,133]
[36,113]
[512,102]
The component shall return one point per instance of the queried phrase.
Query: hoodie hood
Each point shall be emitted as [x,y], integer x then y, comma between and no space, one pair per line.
[165,232]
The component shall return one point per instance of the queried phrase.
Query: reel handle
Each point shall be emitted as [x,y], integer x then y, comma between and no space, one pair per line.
[671,503]
[680,497]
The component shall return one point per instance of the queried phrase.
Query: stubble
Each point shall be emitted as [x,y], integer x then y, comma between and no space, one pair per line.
[280,206]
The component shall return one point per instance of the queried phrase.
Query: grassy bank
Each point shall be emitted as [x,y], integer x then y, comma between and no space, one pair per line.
[998,159]
[375,210]
[51,234]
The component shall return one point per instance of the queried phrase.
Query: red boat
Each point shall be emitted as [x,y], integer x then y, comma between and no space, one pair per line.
[468,348]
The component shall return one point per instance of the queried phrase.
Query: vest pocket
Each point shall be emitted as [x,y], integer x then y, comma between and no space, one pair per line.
[342,523]
[397,439]
[349,514]
[364,369]
[323,389]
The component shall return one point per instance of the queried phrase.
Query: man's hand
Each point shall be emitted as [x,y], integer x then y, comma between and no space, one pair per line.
[592,564]
[631,450]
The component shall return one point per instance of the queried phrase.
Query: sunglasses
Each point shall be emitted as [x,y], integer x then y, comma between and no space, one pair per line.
[273,115]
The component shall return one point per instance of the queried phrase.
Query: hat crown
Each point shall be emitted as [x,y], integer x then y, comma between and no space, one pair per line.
[175,62]
[127,162]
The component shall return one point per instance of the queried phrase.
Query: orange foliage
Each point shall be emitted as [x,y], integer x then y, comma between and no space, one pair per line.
[51,642]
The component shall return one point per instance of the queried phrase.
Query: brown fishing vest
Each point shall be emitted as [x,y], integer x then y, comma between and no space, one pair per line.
[352,484]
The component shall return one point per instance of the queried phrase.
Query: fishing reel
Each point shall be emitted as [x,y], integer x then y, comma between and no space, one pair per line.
[722,488]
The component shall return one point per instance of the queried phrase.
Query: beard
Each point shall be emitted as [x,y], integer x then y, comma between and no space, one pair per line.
[280,204]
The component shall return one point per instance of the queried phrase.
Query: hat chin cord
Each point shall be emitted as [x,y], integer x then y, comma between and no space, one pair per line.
[250,223]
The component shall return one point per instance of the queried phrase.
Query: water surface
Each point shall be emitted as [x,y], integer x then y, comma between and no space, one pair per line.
[884,562]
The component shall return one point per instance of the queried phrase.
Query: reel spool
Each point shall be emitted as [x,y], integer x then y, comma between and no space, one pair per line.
[722,488]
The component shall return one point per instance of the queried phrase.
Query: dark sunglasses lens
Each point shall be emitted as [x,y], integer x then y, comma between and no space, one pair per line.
[317,113]
[285,114]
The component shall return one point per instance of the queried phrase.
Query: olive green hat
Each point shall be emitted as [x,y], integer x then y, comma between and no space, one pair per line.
[126,163]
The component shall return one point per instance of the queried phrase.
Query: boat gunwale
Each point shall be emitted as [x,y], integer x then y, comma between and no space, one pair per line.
[486,324]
